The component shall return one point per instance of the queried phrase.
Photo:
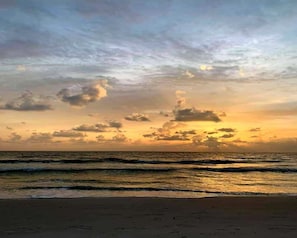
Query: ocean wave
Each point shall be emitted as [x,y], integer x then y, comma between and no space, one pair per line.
[140,189]
[247,169]
[83,170]
[149,170]
[129,161]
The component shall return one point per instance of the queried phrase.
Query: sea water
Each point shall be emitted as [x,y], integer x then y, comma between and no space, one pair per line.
[146,174]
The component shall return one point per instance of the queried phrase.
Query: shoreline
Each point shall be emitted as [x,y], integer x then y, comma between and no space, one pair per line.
[236,216]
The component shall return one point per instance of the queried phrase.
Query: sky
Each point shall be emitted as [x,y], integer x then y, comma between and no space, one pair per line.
[158,75]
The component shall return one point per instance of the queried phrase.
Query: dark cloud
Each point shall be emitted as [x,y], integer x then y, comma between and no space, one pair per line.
[99,127]
[227,130]
[227,136]
[100,138]
[81,96]
[239,141]
[137,117]
[115,124]
[173,137]
[254,136]
[210,132]
[91,128]
[185,133]
[192,114]
[183,113]
[67,133]
[28,102]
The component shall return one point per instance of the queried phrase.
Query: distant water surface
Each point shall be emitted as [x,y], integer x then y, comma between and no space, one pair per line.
[146,174]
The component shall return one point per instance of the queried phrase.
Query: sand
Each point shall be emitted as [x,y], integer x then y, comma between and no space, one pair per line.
[150,217]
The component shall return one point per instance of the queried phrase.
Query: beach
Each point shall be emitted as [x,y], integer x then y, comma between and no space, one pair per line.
[150,217]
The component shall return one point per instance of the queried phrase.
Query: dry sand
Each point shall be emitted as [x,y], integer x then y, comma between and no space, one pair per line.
[150,217]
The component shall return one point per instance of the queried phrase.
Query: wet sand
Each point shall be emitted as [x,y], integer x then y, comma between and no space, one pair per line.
[150,217]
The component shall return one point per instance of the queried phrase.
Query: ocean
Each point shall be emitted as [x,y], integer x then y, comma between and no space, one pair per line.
[146,174]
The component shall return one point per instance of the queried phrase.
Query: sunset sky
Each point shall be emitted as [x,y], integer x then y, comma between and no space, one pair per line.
[172,75]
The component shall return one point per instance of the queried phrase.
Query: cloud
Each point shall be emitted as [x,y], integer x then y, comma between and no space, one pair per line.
[91,128]
[188,132]
[169,132]
[180,98]
[40,138]
[67,133]
[226,130]
[115,124]
[189,74]
[210,132]
[81,96]
[192,114]
[14,137]
[100,138]
[118,138]
[165,114]
[205,67]
[183,113]
[173,137]
[99,127]
[255,129]
[227,136]
[210,142]
[28,102]
[239,141]
[21,68]
[137,117]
